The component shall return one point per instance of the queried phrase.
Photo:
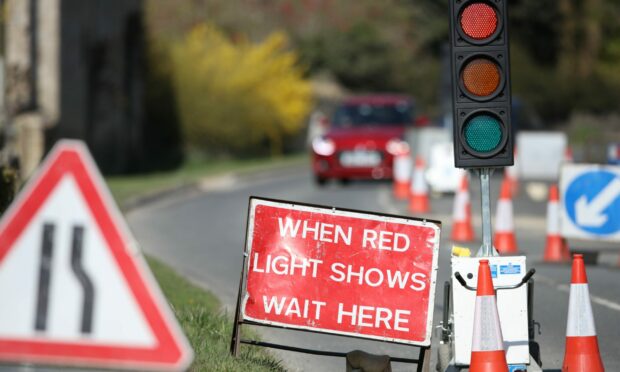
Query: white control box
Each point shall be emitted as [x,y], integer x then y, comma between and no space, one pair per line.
[511,304]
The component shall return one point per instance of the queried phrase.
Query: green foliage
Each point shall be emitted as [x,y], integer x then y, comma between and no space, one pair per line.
[565,56]
[566,53]
[359,57]
[128,189]
[207,329]
[238,97]
[542,87]
[535,27]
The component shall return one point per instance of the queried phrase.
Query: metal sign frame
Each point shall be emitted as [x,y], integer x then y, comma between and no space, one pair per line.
[423,359]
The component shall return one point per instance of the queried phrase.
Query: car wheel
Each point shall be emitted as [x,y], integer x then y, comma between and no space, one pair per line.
[320,181]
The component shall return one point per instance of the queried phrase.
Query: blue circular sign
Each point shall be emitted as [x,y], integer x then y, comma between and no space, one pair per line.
[592,202]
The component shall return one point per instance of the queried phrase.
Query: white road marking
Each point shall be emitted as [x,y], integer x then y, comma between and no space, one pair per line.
[566,288]
[605,302]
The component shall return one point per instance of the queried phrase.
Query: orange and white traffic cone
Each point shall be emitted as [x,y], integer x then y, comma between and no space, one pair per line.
[462,229]
[556,248]
[487,347]
[418,196]
[512,175]
[582,352]
[504,239]
[402,174]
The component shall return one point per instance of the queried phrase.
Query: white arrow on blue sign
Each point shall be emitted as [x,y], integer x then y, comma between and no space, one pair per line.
[590,201]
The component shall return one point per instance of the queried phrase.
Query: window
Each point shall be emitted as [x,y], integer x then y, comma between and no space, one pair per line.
[357,115]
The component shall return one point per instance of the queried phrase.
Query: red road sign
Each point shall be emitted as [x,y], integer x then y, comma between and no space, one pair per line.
[74,287]
[342,272]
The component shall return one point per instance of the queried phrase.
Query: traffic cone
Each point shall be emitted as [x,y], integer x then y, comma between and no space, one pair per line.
[462,229]
[402,174]
[487,347]
[582,353]
[556,249]
[512,175]
[418,196]
[504,239]
[568,155]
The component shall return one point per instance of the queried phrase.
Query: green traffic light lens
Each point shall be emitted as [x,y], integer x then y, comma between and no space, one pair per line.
[483,133]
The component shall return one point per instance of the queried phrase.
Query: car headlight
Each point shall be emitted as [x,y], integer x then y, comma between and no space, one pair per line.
[323,146]
[397,146]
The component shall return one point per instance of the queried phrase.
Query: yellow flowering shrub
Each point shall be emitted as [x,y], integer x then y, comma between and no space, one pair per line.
[238,96]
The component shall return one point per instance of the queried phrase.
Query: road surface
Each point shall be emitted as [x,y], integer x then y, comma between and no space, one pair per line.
[201,235]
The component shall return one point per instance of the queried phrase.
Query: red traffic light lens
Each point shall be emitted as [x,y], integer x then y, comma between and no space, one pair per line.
[481,77]
[478,21]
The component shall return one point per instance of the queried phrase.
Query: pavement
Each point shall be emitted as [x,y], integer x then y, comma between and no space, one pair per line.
[201,234]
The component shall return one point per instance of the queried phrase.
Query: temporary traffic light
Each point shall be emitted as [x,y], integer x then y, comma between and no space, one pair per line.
[480,83]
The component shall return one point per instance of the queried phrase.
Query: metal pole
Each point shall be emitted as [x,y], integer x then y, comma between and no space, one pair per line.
[487,249]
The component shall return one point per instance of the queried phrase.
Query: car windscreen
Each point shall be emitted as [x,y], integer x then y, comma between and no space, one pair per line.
[372,114]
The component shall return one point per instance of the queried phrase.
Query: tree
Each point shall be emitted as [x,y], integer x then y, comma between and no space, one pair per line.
[235,97]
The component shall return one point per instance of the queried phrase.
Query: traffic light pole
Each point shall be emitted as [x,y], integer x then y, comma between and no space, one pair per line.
[487,249]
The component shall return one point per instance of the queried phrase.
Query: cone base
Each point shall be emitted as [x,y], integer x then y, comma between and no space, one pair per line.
[401,190]
[505,242]
[582,355]
[556,249]
[488,361]
[462,232]
[419,204]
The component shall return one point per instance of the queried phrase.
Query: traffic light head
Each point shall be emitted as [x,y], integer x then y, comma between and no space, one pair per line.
[480,83]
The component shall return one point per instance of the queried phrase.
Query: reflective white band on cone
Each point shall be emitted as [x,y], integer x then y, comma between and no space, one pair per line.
[553,218]
[580,319]
[487,335]
[419,186]
[503,218]
[402,168]
[459,213]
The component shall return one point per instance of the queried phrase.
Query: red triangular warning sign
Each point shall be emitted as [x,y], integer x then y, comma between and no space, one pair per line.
[74,288]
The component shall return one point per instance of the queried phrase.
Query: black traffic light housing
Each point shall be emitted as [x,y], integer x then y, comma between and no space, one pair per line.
[481,98]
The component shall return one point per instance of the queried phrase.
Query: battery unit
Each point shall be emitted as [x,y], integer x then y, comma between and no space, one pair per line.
[511,304]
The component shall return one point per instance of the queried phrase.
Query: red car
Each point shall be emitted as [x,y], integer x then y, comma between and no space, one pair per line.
[363,136]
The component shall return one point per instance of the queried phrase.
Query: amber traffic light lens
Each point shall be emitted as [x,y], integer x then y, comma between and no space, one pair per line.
[481,77]
[479,21]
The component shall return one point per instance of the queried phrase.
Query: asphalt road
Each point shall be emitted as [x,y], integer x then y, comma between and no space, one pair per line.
[201,234]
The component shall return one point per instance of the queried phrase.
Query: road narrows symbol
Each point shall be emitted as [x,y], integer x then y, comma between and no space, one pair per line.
[45,276]
[74,287]
[47,246]
[87,284]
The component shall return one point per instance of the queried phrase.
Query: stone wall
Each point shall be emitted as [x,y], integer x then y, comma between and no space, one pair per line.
[74,69]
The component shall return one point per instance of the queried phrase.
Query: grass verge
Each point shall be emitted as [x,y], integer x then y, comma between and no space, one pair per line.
[124,188]
[207,328]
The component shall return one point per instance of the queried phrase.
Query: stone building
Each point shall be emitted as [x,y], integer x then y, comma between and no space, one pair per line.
[74,69]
